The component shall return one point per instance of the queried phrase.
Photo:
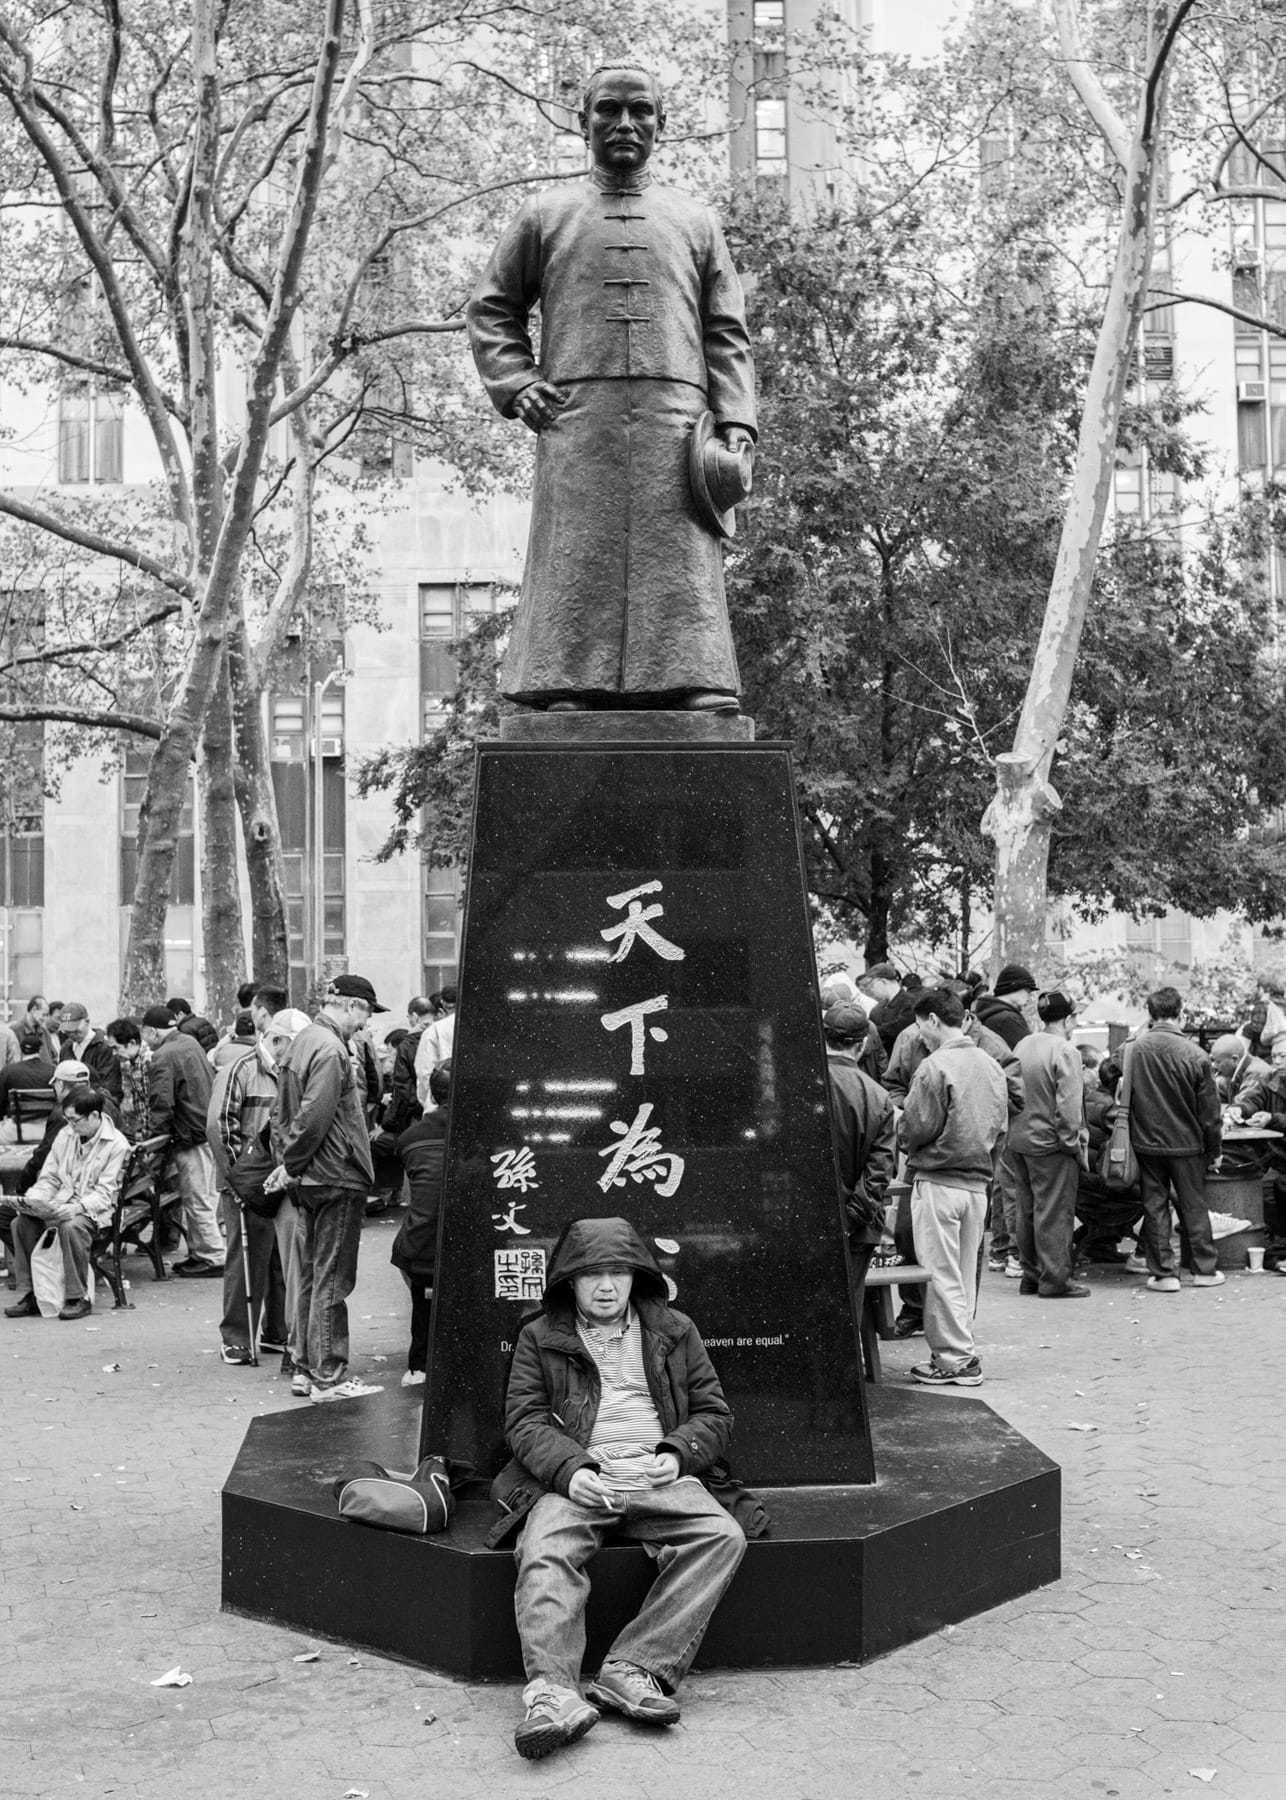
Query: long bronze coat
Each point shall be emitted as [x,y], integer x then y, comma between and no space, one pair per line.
[643,322]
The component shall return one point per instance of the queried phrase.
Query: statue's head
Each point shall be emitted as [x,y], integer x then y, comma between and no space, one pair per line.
[622,116]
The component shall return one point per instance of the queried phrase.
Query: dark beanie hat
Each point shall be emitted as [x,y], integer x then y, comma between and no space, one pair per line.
[1013,979]
[1053,1006]
[159,1017]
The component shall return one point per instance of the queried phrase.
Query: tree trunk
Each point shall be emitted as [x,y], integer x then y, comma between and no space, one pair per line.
[222,929]
[143,982]
[260,829]
[876,948]
[1019,818]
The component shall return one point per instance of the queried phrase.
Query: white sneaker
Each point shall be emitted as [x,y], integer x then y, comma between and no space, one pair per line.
[1136,1265]
[413,1378]
[352,1389]
[1215,1280]
[1224,1224]
[1013,1268]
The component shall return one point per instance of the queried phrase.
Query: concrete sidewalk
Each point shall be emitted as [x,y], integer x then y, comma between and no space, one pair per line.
[1159,1654]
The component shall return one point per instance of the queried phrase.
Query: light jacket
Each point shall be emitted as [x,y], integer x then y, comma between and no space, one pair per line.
[909,1051]
[318,1129]
[85,1171]
[1053,1096]
[437,1043]
[555,1387]
[953,1124]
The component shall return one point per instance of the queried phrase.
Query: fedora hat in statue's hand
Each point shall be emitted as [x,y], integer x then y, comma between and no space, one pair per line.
[721,478]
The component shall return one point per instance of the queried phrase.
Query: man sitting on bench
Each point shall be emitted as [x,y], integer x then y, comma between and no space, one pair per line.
[613,1413]
[76,1193]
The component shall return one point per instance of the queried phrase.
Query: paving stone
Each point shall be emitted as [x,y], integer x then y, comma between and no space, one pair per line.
[1033,1701]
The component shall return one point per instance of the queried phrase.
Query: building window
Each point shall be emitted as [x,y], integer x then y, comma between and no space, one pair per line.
[447,609]
[1168,939]
[769,24]
[91,433]
[294,775]
[441,921]
[770,137]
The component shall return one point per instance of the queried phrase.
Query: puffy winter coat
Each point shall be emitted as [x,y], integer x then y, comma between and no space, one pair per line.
[555,1388]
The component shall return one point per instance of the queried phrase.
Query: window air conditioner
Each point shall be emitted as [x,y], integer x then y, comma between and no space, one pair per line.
[332,746]
[1250,392]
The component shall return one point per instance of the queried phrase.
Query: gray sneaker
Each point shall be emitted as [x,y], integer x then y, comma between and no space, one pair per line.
[352,1389]
[630,1690]
[555,1716]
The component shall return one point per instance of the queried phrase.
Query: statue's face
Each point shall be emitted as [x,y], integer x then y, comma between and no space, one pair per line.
[623,120]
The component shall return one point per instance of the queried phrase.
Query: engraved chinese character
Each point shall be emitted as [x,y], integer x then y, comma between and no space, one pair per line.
[633,1016]
[520,1274]
[637,924]
[640,1157]
[508,1220]
[515,1169]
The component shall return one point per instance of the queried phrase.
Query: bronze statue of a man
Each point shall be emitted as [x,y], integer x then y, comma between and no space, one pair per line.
[643,338]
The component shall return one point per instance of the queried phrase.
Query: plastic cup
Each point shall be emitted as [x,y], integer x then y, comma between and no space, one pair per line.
[1255,1261]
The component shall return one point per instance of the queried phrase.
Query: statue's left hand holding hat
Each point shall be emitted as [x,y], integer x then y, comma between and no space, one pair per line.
[355,987]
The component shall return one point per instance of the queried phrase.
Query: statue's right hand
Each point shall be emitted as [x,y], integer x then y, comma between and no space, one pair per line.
[540,404]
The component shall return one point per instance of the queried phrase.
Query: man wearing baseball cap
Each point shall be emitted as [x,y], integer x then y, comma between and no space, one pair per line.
[321,1145]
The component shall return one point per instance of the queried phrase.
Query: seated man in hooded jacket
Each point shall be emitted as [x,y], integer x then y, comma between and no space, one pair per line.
[613,1413]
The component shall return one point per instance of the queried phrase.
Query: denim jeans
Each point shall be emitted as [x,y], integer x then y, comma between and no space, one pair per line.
[695,1544]
[328,1234]
[274,1274]
[1186,1176]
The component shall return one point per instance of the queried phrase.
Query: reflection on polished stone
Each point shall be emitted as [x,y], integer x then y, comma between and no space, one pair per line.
[638,1034]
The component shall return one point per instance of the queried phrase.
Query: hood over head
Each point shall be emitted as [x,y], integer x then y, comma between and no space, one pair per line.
[593,1243]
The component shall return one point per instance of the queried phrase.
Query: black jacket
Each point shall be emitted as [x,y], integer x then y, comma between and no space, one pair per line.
[554,1385]
[893,1015]
[403,1107]
[1174,1104]
[422,1152]
[179,1084]
[194,1026]
[865,1135]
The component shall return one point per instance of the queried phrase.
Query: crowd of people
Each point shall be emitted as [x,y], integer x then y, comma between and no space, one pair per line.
[278,1135]
[997,1119]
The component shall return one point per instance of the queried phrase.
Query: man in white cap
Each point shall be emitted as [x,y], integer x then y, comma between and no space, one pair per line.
[237,1125]
[321,1146]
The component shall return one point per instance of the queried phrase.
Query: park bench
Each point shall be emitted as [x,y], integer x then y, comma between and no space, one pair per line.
[29,1106]
[140,1204]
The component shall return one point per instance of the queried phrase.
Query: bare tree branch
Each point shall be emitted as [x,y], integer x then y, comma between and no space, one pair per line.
[138,723]
[93,540]
[1093,95]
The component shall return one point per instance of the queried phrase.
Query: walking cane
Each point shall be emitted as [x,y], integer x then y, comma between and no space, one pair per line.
[245,1273]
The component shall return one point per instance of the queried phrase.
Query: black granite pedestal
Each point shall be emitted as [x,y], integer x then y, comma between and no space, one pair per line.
[638,1033]
[965,1515]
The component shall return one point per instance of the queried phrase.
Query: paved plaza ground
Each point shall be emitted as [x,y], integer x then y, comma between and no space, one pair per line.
[1154,1667]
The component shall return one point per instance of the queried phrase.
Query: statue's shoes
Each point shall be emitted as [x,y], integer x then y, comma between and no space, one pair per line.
[709,702]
